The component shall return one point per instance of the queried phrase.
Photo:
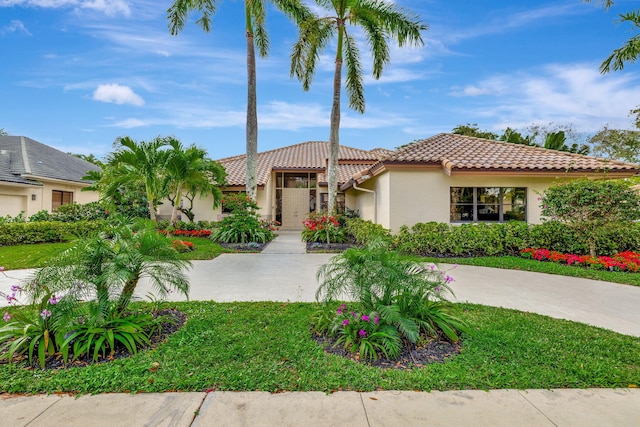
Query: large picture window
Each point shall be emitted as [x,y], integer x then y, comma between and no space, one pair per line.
[488,204]
[59,198]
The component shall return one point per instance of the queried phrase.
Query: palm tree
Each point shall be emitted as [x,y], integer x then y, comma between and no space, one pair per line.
[107,268]
[630,50]
[189,171]
[380,21]
[135,164]
[257,37]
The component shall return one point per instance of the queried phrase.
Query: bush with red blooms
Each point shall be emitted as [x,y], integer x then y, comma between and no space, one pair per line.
[182,246]
[622,261]
[322,227]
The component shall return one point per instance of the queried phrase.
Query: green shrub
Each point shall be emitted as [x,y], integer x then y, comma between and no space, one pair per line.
[402,299]
[243,225]
[364,232]
[19,233]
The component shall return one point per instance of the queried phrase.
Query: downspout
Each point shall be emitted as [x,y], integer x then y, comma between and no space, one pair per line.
[375,204]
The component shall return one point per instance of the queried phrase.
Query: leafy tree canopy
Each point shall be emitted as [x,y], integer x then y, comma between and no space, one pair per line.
[589,205]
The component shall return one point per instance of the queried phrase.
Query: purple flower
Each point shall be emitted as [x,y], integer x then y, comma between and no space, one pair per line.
[437,289]
[362,333]
[54,300]
[1,268]
[448,279]
[345,322]
[45,314]
[16,288]
[365,318]
[376,320]
[11,298]
[6,316]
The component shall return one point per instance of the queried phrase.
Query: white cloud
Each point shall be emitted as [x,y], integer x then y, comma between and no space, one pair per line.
[117,94]
[15,26]
[108,7]
[574,93]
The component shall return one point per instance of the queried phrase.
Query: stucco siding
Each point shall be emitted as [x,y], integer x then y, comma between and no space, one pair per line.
[16,199]
[406,197]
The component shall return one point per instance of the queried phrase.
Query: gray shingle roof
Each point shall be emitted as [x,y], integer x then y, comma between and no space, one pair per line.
[22,158]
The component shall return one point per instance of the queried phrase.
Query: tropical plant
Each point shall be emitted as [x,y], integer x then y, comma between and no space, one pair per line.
[380,20]
[109,267]
[36,330]
[630,50]
[398,289]
[100,334]
[256,36]
[133,165]
[588,206]
[243,225]
[189,172]
[365,334]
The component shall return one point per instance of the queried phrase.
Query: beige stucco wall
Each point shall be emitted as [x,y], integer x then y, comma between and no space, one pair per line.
[18,198]
[406,197]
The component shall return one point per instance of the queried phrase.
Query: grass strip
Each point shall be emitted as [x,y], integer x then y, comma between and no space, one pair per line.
[518,263]
[267,346]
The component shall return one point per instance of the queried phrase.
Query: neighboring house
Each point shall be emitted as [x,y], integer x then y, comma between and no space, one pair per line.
[291,181]
[460,179]
[35,177]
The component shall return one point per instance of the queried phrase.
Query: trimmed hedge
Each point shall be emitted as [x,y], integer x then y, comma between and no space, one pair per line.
[483,239]
[20,233]
[365,231]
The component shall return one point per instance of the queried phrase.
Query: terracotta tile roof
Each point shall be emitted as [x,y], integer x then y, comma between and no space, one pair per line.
[458,152]
[310,156]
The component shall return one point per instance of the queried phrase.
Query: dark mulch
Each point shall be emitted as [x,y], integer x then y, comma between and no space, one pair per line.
[251,247]
[411,356]
[174,320]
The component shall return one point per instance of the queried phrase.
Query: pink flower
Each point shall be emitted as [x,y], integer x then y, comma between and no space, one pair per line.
[362,333]
[345,322]
[45,314]
[6,316]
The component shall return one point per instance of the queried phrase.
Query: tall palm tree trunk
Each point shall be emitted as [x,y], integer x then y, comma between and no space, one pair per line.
[252,119]
[334,135]
[152,209]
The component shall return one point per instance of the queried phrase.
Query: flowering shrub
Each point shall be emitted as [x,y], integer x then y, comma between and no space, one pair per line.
[321,227]
[622,261]
[365,334]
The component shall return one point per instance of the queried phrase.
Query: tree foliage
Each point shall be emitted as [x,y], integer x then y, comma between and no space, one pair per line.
[588,205]
[380,21]
[630,50]
[256,37]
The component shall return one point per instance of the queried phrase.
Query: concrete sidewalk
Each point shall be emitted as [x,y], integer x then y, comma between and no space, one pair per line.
[497,408]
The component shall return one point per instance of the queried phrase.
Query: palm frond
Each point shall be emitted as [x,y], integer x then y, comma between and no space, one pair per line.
[354,80]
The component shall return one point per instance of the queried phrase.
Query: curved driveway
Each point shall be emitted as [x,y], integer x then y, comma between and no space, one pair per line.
[284,272]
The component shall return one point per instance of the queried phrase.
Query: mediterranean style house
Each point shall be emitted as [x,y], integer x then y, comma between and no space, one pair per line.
[457,179]
[445,178]
[291,181]
[35,177]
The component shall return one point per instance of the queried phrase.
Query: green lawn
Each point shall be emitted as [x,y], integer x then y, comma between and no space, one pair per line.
[518,263]
[267,346]
[37,255]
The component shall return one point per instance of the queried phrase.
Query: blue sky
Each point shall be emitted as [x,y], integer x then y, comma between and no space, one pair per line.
[77,74]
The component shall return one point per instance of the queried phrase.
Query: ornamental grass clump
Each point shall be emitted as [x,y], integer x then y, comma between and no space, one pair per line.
[396,301]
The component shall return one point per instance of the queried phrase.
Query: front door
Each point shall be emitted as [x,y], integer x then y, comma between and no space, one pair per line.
[295,207]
